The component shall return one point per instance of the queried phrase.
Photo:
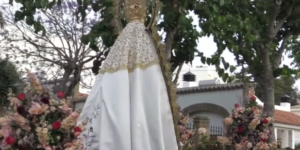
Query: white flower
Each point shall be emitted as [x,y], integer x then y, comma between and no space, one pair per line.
[249,145]
[201,130]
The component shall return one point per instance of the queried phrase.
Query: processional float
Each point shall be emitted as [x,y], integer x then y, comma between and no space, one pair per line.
[131,103]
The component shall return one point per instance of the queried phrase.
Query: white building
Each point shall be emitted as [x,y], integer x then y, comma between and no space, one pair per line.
[202,73]
[296,110]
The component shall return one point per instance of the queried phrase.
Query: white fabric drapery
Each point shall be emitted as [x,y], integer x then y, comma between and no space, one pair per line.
[128,107]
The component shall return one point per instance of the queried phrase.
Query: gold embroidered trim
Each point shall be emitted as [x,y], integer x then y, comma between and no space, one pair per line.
[131,69]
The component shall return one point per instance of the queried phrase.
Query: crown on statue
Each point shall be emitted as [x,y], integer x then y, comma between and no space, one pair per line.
[135,10]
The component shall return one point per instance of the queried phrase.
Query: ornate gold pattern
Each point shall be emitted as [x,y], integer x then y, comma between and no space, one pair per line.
[135,45]
[135,10]
[165,65]
[130,69]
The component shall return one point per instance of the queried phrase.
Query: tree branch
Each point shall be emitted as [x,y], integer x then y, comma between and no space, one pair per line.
[169,42]
[275,26]
[273,18]
[278,55]
[177,74]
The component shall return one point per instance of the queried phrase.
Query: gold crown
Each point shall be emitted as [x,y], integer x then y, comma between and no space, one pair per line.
[135,10]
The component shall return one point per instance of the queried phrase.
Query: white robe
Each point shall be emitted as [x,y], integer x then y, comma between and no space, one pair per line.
[128,107]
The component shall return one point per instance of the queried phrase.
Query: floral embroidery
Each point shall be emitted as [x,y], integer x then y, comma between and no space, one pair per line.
[133,49]
[90,136]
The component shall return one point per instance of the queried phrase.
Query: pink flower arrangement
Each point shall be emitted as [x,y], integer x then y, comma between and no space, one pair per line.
[186,136]
[248,128]
[184,133]
[40,121]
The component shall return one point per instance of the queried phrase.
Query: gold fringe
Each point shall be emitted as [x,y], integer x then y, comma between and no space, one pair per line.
[131,69]
[165,65]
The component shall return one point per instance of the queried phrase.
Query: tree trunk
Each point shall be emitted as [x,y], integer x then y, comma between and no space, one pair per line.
[268,99]
[68,84]
[65,79]
[169,43]
[74,81]
[267,84]
[177,74]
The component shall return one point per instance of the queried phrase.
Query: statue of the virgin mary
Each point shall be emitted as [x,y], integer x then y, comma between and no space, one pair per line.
[128,107]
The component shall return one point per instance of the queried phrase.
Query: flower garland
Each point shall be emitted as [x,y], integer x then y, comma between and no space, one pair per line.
[41,120]
[248,128]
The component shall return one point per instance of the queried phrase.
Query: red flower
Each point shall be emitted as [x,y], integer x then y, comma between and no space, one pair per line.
[265,121]
[21,110]
[191,135]
[264,140]
[56,125]
[45,100]
[240,129]
[253,98]
[61,94]
[237,105]
[21,97]
[10,140]
[77,129]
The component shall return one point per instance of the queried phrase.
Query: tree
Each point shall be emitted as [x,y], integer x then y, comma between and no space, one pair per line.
[180,34]
[283,85]
[256,32]
[2,20]
[59,52]
[10,79]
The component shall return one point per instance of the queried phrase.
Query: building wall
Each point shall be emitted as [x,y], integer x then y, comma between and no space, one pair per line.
[79,105]
[226,99]
[296,112]
[297,137]
[297,133]
[214,119]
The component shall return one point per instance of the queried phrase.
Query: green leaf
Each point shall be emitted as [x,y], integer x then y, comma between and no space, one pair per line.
[59,2]
[19,16]
[203,60]
[221,2]
[51,4]
[11,2]
[44,3]
[221,72]
[225,77]
[215,8]
[96,7]
[30,20]
[232,68]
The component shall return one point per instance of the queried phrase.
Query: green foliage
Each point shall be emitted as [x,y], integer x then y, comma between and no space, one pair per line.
[283,85]
[174,19]
[9,79]
[243,28]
